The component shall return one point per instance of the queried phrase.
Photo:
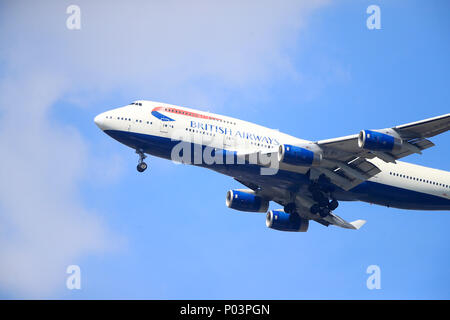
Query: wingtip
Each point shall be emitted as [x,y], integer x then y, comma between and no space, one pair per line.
[358,224]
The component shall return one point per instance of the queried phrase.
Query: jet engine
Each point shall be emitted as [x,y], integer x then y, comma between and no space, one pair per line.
[298,156]
[377,141]
[282,221]
[246,200]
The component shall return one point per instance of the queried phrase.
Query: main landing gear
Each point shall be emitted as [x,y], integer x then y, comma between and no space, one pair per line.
[142,166]
[322,195]
[324,203]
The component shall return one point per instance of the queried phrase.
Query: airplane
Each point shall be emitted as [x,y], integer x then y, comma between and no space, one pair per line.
[307,178]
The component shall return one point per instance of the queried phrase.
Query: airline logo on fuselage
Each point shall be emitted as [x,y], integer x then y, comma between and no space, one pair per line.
[159,115]
[234,133]
[211,127]
[162,117]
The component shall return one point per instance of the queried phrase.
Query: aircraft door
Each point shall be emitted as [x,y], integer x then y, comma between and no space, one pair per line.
[228,142]
[164,127]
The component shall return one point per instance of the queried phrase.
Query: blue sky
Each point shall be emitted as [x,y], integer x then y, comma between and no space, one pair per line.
[71,195]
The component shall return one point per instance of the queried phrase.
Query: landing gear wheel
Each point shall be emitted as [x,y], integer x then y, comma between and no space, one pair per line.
[323,202]
[141,167]
[324,212]
[333,204]
[320,198]
[314,208]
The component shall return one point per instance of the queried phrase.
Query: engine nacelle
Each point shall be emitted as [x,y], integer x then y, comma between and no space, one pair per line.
[246,200]
[377,141]
[282,221]
[298,156]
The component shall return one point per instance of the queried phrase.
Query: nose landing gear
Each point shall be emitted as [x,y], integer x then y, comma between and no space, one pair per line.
[142,166]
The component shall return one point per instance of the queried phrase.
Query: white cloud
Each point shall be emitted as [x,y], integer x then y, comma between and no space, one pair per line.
[141,47]
[44,226]
[154,46]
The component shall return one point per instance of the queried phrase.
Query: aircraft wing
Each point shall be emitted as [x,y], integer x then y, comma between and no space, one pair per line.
[276,193]
[426,128]
[345,162]
[333,219]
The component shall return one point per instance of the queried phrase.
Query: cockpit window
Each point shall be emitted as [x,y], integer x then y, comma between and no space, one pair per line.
[136,104]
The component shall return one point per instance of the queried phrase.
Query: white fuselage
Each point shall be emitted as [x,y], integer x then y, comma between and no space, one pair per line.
[167,121]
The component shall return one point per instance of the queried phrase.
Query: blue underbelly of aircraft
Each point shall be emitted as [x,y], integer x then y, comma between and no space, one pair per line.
[396,197]
[367,191]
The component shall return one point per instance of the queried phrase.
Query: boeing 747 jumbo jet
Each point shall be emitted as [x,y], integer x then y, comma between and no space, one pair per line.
[308,179]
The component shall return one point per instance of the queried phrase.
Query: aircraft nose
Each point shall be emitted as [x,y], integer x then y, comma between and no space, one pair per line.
[99,120]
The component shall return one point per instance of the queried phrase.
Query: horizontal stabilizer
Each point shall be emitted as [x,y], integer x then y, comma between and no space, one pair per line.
[339,222]
[358,224]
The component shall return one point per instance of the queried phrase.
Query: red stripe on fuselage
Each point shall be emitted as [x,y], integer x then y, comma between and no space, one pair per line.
[185,113]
